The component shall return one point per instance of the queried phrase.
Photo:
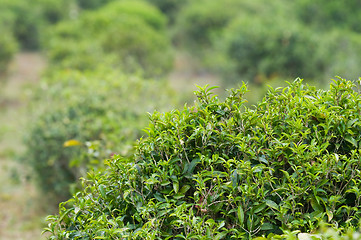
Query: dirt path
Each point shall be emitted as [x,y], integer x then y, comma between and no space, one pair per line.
[20,214]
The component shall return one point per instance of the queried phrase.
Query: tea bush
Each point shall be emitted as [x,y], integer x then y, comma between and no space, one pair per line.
[91,4]
[169,7]
[103,110]
[220,170]
[265,47]
[26,20]
[199,21]
[7,50]
[324,14]
[114,34]
[344,59]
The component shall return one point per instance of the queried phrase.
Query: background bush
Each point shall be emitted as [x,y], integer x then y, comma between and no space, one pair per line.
[7,50]
[114,34]
[105,107]
[261,48]
[169,7]
[249,42]
[91,4]
[325,15]
[27,19]
[199,21]
[220,170]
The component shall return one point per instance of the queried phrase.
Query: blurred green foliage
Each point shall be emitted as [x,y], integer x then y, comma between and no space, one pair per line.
[199,21]
[128,35]
[220,170]
[327,14]
[257,40]
[105,107]
[91,4]
[262,48]
[27,19]
[169,7]
[8,48]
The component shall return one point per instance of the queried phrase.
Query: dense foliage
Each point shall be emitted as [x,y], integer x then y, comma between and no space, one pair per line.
[220,170]
[114,34]
[101,110]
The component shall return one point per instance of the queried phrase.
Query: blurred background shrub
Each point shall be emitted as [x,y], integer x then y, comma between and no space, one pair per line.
[91,4]
[256,41]
[327,14]
[128,35]
[8,48]
[199,21]
[170,7]
[105,107]
[261,48]
[27,20]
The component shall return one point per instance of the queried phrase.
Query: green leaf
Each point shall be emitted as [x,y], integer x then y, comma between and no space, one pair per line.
[165,183]
[351,140]
[102,191]
[192,165]
[184,189]
[159,197]
[176,186]
[351,122]
[259,208]
[220,235]
[263,159]
[234,178]
[178,196]
[64,214]
[315,205]
[271,204]
[329,214]
[240,214]
[267,226]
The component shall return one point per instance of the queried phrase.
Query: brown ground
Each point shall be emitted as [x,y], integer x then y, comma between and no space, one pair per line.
[20,212]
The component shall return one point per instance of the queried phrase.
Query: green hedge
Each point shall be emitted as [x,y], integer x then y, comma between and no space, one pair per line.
[114,34]
[220,170]
[102,109]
